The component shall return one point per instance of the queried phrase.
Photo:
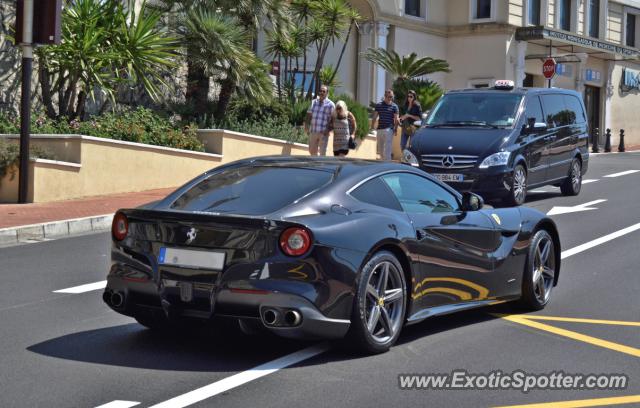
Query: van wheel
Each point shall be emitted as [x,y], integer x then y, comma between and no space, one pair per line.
[573,183]
[518,191]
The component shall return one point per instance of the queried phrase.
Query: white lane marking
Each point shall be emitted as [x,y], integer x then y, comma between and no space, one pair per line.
[119,404]
[622,173]
[545,189]
[244,377]
[599,241]
[576,208]
[83,288]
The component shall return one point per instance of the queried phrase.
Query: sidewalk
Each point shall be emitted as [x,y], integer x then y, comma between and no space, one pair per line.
[19,222]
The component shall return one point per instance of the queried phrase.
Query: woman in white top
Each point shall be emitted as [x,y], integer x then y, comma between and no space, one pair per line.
[343,124]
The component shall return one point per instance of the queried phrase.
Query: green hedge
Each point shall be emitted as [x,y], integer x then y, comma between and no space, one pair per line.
[140,125]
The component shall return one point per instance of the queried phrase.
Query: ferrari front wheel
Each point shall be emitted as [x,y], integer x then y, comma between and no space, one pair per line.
[379,304]
[540,272]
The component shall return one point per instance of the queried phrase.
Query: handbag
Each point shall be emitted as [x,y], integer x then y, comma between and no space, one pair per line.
[408,128]
[352,143]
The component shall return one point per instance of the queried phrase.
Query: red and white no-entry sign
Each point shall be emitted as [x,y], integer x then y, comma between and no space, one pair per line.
[549,68]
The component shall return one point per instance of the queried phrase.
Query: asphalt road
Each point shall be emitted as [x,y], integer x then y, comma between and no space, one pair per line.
[70,350]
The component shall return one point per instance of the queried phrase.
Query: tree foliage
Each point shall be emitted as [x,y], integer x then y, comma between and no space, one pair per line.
[407,67]
[105,44]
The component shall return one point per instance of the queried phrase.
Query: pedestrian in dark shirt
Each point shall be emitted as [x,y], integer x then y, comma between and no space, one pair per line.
[385,120]
[413,113]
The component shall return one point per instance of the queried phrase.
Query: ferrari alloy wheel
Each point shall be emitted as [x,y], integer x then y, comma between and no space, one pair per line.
[540,273]
[379,305]
[573,183]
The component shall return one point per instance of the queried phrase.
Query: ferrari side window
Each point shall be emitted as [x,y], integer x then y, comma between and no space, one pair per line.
[420,195]
[377,193]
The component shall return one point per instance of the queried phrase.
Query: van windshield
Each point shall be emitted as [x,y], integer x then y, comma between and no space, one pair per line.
[492,110]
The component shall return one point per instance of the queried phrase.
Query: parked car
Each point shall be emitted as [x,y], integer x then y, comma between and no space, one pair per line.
[325,248]
[501,142]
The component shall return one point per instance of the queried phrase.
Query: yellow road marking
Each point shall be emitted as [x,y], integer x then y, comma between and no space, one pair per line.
[594,402]
[578,320]
[574,335]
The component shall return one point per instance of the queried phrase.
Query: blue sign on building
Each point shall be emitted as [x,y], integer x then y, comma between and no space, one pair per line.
[592,75]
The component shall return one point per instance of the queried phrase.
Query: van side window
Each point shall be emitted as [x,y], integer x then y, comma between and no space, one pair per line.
[574,105]
[556,112]
[533,112]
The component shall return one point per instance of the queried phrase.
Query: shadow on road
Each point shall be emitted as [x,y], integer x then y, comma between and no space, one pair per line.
[219,349]
[222,348]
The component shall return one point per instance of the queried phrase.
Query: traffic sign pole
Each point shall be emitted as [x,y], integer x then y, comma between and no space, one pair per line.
[549,70]
[25,99]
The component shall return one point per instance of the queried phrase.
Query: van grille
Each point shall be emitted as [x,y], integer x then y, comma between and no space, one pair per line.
[449,161]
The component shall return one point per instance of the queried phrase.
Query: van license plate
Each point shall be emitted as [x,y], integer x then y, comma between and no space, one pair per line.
[449,177]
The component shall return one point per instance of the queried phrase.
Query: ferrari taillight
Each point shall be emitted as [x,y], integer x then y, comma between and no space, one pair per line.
[295,241]
[119,226]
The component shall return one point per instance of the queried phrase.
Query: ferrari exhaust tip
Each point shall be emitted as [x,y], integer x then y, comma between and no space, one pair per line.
[270,316]
[292,318]
[117,299]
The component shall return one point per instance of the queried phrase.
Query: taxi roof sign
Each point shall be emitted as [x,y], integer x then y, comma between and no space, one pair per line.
[504,84]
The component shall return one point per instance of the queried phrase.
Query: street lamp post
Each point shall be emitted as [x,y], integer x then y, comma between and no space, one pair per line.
[25,101]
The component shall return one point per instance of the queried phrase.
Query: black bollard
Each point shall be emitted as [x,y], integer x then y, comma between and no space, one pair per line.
[595,137]
[607,143]
[621,145]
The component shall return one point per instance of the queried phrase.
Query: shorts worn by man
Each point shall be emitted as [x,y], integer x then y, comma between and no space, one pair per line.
[386,113]
[317,122]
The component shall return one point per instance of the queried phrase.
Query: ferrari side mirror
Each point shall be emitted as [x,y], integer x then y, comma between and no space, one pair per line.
[471,201]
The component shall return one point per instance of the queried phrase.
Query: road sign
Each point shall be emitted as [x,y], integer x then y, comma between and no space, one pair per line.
[549,68]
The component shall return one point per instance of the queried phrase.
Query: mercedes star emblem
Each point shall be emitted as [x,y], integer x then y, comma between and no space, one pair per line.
[448,161]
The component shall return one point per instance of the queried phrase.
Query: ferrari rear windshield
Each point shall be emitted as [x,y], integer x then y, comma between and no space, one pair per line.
[254,190]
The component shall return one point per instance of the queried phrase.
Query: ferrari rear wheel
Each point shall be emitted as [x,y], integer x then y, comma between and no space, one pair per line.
[379,305]
[540,272]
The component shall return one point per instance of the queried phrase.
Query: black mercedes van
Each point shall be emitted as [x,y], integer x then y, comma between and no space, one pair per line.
[499,142]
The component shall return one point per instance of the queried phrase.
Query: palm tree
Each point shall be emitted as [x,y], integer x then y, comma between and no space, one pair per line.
[104,43]
[407,67]
[335,18]
[231,57]
[354,19]
[218,46]
[276,46]
[304,10]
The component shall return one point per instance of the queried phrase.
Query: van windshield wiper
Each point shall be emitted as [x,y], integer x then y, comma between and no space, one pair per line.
[462,123]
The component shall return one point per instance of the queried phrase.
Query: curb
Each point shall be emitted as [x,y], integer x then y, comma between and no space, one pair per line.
[55,229]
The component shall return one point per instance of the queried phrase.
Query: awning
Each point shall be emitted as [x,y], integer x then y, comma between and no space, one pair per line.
[573,43]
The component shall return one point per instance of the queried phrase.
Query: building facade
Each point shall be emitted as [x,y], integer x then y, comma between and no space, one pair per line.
[594,42]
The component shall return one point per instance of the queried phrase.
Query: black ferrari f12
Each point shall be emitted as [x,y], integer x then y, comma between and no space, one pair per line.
[325,248]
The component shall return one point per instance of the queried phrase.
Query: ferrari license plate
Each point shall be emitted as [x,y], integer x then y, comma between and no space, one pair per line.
[191,259]
[449,177]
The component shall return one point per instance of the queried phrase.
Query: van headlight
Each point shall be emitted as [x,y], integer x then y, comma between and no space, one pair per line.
[496,159]
[410,158]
